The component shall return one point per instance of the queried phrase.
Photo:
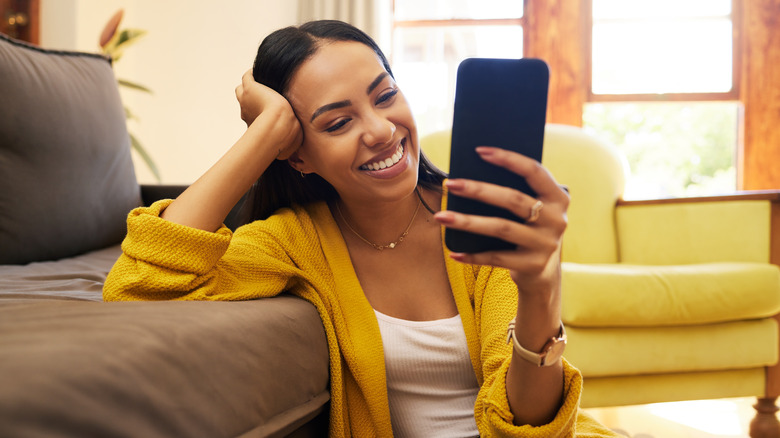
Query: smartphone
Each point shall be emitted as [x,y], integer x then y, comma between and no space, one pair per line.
[501,103]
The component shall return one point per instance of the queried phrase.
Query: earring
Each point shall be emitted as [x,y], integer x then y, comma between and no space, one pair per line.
[303,175]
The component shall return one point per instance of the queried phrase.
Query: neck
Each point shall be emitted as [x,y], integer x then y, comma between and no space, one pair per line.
[380,223]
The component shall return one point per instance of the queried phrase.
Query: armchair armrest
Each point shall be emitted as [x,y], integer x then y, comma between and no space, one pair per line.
[740,227]
[757,195]
[155,192]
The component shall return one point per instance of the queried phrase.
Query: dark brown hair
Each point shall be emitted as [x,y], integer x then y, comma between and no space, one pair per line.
[278,58]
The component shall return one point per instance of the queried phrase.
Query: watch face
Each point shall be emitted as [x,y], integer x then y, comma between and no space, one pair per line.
[553,352]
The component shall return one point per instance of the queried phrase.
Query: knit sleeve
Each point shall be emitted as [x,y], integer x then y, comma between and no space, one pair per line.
[495,306]
[162,260]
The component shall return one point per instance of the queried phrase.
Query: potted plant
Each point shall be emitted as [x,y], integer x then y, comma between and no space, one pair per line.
[113,43]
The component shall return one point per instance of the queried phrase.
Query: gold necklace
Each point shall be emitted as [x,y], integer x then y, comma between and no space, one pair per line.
[390,245]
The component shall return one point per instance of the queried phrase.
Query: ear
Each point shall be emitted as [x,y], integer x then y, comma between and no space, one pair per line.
[298,162]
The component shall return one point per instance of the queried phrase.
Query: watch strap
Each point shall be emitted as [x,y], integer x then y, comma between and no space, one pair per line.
[538,359]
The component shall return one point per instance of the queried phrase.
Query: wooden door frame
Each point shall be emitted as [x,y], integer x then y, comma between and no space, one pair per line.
[32,31]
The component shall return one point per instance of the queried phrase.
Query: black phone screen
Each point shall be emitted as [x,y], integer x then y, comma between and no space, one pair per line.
[501,103]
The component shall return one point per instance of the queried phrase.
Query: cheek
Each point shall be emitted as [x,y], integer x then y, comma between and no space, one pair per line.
[326,155]
[405,104]
[308,154]
[404,115]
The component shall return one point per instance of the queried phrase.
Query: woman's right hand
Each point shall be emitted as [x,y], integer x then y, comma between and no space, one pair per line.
[273,133]
[256,99]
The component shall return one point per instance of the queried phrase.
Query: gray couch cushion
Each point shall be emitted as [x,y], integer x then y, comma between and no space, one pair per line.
[75,278]
[66,176]
[160,369]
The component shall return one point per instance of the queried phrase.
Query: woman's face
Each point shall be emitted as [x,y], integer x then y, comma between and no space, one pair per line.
[359,133]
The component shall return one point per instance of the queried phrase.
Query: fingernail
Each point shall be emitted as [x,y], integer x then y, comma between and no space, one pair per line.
[457,256]
[444,217]
[454,184]
[486,151]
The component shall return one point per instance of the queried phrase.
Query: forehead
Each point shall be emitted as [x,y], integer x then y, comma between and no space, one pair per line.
[335,71]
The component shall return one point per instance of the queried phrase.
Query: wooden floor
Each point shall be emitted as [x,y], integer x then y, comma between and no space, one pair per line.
[726,418]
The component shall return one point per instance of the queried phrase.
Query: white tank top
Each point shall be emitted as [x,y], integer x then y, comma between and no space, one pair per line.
[431,384]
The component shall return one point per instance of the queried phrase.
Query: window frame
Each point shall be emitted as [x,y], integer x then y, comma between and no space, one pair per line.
[559,31]
[460,22]
[736,70]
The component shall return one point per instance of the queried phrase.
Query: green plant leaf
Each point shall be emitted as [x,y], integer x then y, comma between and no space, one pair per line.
[134,86]
[145,156]
[114,53]
[129,114]
[126,38]
[129,36]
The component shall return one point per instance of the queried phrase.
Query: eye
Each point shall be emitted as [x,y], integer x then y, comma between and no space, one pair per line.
[386,97]
[338,125]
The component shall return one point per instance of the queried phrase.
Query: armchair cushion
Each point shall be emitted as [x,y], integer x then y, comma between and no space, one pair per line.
[66,176]
[605,352]
[618,295]
[694,232]
[655,388]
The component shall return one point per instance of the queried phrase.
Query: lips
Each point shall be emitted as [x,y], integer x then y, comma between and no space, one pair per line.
[384,163]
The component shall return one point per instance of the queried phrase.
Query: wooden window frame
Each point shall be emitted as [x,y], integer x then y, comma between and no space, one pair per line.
[736,67]
[558,31]
[461,22]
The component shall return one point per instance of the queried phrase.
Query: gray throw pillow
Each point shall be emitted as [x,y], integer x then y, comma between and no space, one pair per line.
[66,177]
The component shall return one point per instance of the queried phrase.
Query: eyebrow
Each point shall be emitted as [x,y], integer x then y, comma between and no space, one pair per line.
[330,107]
[346,103]
[376,82]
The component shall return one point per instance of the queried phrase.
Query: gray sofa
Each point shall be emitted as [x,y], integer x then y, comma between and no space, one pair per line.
[72,365]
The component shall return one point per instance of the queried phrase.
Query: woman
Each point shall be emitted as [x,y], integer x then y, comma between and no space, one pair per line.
[344,215]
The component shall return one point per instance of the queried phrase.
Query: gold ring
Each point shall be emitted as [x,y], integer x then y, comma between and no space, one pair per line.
[536,211]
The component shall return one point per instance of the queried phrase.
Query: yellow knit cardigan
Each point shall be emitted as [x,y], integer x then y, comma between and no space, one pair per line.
[301,250]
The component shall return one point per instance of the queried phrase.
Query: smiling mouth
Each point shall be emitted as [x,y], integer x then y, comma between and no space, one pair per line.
[388,162]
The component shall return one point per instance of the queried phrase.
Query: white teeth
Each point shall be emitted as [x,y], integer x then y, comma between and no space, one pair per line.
[389,162]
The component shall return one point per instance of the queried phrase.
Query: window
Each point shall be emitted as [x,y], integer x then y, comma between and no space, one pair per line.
[669,46]
[659,79]
[431,37]
[663,88]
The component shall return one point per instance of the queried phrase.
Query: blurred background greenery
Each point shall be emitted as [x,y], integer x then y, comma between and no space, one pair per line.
[673,149]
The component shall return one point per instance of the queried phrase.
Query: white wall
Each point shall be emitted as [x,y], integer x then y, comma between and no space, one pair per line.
[192,58]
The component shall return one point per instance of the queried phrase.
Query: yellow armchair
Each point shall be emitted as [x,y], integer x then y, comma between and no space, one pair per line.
[663,300]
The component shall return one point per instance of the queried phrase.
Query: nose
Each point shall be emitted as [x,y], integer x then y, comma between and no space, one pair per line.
[378,130]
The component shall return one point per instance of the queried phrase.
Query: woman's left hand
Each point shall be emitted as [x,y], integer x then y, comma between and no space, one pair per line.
[535,263]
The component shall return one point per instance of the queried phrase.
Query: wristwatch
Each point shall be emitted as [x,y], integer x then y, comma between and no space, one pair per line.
[551,352]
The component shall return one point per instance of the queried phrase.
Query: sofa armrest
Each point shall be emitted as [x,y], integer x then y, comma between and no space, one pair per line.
[741,227]
[154,192]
